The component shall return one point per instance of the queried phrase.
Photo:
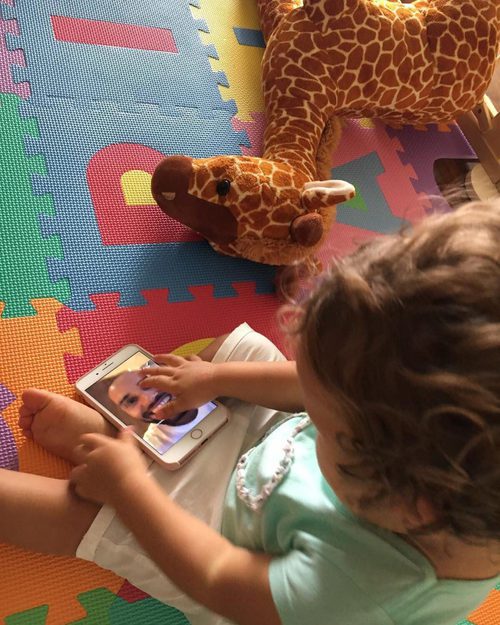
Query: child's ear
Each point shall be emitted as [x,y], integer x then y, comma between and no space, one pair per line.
[426,511]
[422,513]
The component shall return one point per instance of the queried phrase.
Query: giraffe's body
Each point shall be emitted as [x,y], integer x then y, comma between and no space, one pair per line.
[418,63]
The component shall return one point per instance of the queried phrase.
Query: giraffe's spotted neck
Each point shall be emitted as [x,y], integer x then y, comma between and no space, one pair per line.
[293,137]
[298,102]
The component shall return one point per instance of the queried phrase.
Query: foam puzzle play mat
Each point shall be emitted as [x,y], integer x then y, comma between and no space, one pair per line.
[92,96]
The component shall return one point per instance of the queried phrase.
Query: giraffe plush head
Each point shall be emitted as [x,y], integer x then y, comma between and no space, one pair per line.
[258,209]
[416,63]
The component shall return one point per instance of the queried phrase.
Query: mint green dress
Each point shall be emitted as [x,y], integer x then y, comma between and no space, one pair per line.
[331,568]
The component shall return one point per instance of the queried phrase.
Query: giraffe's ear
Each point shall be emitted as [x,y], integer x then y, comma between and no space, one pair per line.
[308,228]
[323,193]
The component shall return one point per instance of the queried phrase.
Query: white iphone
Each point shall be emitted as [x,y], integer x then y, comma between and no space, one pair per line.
[112,389]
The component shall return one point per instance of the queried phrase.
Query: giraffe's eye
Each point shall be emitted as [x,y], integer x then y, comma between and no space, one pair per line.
[223,187]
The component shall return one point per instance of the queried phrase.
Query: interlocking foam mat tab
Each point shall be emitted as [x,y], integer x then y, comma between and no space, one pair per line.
[92,94]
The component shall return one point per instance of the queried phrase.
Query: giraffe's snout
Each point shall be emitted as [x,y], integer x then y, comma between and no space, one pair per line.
[171,187]
[171,177]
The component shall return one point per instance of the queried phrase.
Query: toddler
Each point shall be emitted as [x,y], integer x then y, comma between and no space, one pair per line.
[374,496]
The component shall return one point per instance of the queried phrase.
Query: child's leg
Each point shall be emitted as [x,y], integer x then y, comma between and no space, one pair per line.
[208,352]
[41,513]
[199,487]
[56,422]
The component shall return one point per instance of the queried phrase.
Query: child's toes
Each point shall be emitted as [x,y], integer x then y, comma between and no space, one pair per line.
[27,433]
[25,421]
[35,399]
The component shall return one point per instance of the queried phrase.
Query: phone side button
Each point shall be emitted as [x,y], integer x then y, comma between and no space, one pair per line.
[197,433]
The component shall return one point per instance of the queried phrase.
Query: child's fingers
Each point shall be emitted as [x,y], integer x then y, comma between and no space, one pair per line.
[168,359]
[76,474]
[174,406]
[160,382]
[127,436]
[93,441]
[80,453]
[146,371]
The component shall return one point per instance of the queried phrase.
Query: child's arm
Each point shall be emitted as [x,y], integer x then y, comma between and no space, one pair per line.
[229,580]
[194,381]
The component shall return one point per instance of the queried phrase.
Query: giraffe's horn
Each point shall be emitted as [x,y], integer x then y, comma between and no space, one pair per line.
[307,229]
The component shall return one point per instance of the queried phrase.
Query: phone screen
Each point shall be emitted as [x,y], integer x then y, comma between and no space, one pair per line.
[139,407]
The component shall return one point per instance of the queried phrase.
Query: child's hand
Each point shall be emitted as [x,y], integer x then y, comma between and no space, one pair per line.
[191,380]
[106,466]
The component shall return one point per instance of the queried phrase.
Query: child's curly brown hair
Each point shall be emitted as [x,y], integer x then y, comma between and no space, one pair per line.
[405,334]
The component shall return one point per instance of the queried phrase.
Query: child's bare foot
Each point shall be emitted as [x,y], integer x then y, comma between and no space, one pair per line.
[56,422]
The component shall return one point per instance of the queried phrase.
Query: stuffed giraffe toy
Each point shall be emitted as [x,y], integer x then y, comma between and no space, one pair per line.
[404,63]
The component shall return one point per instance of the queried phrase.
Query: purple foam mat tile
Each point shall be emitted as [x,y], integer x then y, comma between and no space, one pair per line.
[423,147]
[8,449]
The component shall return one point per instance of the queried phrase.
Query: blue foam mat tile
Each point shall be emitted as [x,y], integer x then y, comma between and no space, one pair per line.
[82,72]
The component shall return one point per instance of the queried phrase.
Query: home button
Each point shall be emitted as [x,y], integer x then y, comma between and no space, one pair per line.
[197,433]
